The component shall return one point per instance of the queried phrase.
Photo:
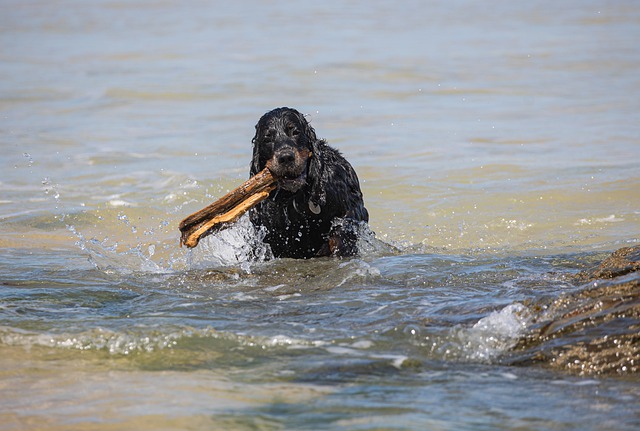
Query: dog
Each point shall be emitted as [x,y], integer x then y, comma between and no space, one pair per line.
[317,208]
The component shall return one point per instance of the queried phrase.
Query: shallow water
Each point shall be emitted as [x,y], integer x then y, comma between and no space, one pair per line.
[498,152]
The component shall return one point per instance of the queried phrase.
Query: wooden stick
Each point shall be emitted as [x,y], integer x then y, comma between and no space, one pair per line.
[227,209]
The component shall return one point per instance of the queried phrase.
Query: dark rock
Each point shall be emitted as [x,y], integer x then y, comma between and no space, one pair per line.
[594,330]
[621,262]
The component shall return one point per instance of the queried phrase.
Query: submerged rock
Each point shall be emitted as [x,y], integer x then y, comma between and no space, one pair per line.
[594,330]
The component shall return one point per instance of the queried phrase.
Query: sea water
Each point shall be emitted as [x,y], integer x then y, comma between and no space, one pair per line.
[497,148]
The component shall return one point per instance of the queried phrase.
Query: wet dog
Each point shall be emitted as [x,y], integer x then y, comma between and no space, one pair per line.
[317,208]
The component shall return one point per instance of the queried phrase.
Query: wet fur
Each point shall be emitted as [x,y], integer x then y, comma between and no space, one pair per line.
[317,208]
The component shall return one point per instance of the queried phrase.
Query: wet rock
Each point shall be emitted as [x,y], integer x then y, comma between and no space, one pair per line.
[621,262]
[594,330]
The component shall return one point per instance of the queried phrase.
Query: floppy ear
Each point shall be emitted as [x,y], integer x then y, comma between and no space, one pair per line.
[316,172]
[316,167]
[255,161]
[309,132]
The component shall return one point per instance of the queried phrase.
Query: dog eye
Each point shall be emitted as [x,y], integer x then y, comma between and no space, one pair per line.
[269,136]
[293,131]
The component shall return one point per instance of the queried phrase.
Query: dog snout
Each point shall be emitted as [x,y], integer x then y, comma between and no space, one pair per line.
[286,156]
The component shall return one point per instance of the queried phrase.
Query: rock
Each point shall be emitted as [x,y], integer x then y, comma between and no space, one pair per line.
[621,262]
[595,330]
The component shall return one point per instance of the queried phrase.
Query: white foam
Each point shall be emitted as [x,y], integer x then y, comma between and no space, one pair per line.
[96,339]
[239,244]
[119,203]
[495,333]
[609,219]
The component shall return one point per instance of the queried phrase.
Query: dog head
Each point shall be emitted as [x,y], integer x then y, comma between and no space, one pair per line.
[284,143]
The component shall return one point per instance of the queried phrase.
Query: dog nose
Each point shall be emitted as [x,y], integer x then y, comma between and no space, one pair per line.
[286,156]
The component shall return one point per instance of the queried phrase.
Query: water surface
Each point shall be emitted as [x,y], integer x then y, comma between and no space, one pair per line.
[498,152]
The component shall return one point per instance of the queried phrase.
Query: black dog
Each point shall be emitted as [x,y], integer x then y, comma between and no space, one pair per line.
[317,207]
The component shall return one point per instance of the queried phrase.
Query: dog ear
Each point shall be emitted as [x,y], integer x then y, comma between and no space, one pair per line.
[308,130]
[316,173]
[318,196]
[255,161]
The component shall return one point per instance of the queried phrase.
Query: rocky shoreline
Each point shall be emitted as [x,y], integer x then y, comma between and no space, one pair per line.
[594,330]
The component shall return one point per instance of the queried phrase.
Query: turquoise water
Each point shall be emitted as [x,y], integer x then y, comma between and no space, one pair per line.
[498,151]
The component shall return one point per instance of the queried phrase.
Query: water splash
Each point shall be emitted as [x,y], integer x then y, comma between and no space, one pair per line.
[105,256]
[241,244]
[486,341]
[496,333]
[115,244]
[49,187]
[29,159]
